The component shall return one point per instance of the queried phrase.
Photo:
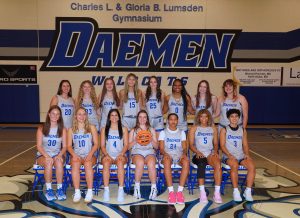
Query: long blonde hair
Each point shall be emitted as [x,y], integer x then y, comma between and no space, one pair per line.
[136,88]
[81,94]
[87,127]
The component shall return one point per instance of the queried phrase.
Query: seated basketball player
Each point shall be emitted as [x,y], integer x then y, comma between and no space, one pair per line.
[142,142]
[234,144]
[204,143]
[51,146]
[114,144]
[173,147]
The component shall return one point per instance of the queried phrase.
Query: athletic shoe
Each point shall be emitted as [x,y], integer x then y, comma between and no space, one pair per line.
[217,198]
[88,197]
[60,195]
[153,194]
[172,198]
[76,197]
[50,196]
[106,196]
[179,198]
[203,197]
[237,196]
[120,195]
[137,192]
[248,196]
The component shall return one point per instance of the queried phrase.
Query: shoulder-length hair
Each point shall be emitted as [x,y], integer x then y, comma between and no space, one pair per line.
[208,95]
[231,83]
[59,90]
[114,92]
[136,88]
[47,125]
[158,90]
[81,94]
[203,111]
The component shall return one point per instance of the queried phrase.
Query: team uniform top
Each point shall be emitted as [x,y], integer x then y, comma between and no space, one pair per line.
[114,144]
[90,110]
[107,105]
[51,143]
[82,143]
[173,142]
[177,108]
[202,105]
[204,140]
[142,150]
[131,107]
[154,109]
[67,110]
[227,105]
[234,142]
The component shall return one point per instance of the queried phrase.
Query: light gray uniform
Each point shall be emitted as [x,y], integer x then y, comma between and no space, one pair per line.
[177,108]
[92,114]
[130,110]
[173,144]
[142,150]
[227,105]
[114,145]
[154,109]
[234,143]
[67,110]
[82,143]
[204,140]
[107,105]
[51,143]
[201,106]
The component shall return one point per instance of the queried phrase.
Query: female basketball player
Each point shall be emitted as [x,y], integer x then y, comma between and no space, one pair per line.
[131,101]
[64,100]
[143,154]
[114,145]
[108,99]
[179,102]
[234,144]
[204,99]
[87,99]
[230,100]
[204,143]
[153,98]
[51,146]
[84,139]
[173,147]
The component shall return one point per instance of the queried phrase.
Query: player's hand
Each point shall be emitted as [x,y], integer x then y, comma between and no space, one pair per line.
[199,155]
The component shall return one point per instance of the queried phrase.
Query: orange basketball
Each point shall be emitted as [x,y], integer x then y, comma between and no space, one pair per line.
[143,137]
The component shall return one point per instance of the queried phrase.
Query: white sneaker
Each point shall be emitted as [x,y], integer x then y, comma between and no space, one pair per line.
[76,197]
[88,197]
[153,194]
[237,196]
[106,196]
[248,196]
[137,192]
[120,195]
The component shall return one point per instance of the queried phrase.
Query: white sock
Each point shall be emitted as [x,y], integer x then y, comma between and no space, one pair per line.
[171,189]
[90,190]
[77,191]
[120,187]
[49,185]
[59,185]
[201,187]
[236,190]
[137,184]
[217,188]
[153,185]
[248,189]
[180,188]
[106,188]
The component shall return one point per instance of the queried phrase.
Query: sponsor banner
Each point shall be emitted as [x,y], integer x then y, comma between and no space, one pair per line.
[18,74]
[291,76]
[258,76]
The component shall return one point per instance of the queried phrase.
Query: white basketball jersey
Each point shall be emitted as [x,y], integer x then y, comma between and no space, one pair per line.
[234,142]
[204,140]
[67,110]
[114,145]
[178,108]
[51,143]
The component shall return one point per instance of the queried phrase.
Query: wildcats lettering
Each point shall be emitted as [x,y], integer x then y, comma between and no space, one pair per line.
[80,45]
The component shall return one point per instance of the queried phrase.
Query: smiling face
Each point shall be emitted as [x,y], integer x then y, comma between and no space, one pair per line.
[203,119]
[202,88]
[131,81]
[228,89]
[177,87]
[109,85]
[234,119]
[65,87]
[153,83]
[86,88]
[172,122]
[54,115]
[81,115]
[114,117]
[142,118]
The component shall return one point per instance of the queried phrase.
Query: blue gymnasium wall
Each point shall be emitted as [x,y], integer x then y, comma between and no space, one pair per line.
[20,104]
[273,105]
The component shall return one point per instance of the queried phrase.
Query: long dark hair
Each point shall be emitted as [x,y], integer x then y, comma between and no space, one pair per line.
[184,95]
[59,90]
[47,124]
[137,125]
[158,90]
[207,95]
[108,123]
[114,91]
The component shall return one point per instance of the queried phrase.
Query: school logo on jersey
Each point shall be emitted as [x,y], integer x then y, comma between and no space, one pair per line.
[80,45]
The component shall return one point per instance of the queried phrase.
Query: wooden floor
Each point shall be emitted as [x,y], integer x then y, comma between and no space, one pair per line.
[275,149]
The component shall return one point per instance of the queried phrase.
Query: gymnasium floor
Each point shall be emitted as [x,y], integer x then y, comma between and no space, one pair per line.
[275,150]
